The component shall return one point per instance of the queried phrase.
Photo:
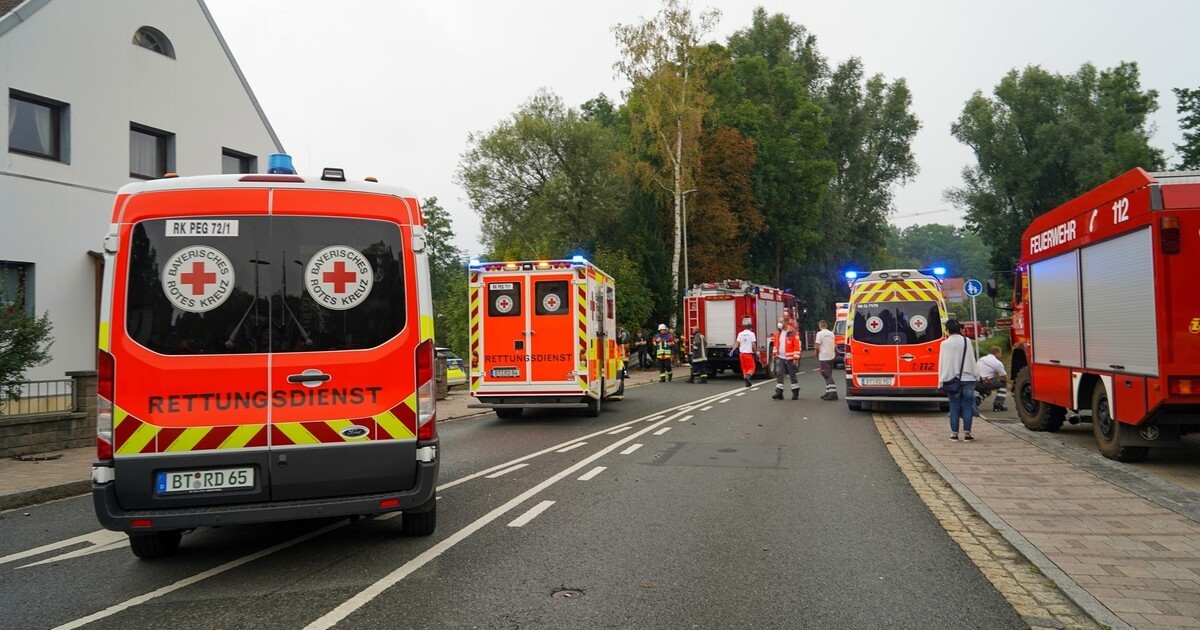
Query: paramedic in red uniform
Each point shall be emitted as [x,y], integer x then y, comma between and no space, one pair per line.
[787,355]
[747,346]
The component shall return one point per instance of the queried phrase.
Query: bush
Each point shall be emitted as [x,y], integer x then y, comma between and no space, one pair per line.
[24,343]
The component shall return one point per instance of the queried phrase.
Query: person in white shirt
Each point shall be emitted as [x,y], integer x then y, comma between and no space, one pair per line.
[957,359]
[747,346]
[992,377]
[825,352]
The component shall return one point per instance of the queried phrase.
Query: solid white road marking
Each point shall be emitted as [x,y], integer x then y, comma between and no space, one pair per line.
[530,514]
[506,471]
[141,599]
[571,447]
[631,449]
[620,430]
[662,430]
[587,476]
[98,538]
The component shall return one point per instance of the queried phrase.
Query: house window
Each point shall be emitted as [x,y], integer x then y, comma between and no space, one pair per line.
[150,152]
[234,162]
[35,125]
[151,38]
[16,286]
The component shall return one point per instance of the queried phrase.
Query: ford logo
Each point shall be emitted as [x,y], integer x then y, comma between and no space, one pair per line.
[354,431]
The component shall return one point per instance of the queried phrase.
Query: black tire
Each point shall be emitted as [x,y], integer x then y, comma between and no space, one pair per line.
[1034,414]
[419,523]
[944,407]
[593,407]
[156,544]
[621,388]
[854,405]
[771,363]
[508,413]
[1107,431]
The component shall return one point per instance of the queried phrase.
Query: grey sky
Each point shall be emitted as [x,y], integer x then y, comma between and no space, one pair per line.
[391,88]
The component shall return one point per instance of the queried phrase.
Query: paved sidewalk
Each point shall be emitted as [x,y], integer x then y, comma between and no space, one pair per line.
[45,477]
[1125,546]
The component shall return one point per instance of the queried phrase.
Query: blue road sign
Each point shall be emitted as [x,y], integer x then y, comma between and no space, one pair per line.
[973,287]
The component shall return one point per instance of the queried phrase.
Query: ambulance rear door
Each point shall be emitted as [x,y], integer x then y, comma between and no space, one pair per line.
[345,330]
[502,329]
[553,330]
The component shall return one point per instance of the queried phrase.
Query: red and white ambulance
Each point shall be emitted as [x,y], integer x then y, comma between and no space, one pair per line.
[1106,314]
[265,354]
[543,334]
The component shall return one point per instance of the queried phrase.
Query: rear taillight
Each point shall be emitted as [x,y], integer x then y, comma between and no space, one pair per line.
[104,405]
[1183,385]
[1169,235]
[846,362]
[426,421]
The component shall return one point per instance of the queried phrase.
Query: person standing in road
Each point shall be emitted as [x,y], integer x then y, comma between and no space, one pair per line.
[787,355]
[747,347]
[664,348]
[957,360]
[642,347]
[698,358]
[992,377]
[825,353]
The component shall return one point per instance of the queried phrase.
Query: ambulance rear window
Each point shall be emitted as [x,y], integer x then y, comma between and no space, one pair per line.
[252,284]
[897,323]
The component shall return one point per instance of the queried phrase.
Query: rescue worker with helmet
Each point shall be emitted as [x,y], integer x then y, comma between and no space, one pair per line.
[787,355]
[664,347]
[698,358]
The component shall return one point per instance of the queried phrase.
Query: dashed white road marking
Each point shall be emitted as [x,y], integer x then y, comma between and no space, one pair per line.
[685,418]
[723,401]
[571,447]
[707,408]
[662,430]
[740,394]
[506,471]
[530,514]
[619,430]
[592,473]
[631,449]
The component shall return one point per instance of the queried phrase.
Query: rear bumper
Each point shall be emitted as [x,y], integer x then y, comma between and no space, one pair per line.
[112,516]
[575,400]
[907,394]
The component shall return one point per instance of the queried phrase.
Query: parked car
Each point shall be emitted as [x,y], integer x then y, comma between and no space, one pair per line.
[456,370]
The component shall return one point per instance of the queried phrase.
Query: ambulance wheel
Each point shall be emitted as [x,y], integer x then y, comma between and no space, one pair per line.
[1108,431]
[508,413]
[420,523]
[1034,414]
[593,407]
[854,405]
[621,388]
[156,544]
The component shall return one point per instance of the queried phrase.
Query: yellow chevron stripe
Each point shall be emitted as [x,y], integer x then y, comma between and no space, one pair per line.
[102,340]
[392,425]
[426,327]
[297,433]
[188,439]
[241,436]
[138,440]
[119,416]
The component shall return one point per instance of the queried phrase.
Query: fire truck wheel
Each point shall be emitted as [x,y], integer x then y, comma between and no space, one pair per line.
[509,413]
[420,523]
[1034,414]
[156,544]
[771,362]
[1108,431]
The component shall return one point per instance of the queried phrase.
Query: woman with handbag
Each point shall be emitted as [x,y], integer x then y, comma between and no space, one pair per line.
[956,373]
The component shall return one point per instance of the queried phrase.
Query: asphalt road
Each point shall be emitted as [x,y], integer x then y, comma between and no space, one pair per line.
[683,506]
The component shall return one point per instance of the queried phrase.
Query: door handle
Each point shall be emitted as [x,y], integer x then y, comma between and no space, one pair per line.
[309,376]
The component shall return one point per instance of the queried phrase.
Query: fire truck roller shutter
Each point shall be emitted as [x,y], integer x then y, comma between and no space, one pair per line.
[720,325]
[1054,294]
[1119,304]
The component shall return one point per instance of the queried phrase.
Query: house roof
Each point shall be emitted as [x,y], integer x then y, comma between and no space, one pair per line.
[13,12]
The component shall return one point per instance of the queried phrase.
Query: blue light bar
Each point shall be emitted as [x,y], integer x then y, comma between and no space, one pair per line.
[474,262]
[851,275]
[280,164]
[578,258]
[939,271]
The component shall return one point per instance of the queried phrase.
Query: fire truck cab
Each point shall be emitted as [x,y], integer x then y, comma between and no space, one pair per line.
[265,354]
[719,310]
[543,334]
[1106,314]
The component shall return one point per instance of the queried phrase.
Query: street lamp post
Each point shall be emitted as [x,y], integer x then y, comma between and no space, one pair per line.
[686,284]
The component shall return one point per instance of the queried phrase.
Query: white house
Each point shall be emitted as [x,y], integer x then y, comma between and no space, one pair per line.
[100,94]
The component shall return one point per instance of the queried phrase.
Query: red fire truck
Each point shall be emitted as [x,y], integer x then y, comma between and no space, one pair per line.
[719,310]
[1106,315]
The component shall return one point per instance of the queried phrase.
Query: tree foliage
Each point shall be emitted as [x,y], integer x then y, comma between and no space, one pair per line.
[1189,121]
[543,182]
[447,278]
[1045,138]
[25,342]
[661,59]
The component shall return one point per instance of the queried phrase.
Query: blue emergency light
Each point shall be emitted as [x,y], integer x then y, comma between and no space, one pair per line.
[280,164]
[474,262]
[578,258]
[851,275]
[939,271]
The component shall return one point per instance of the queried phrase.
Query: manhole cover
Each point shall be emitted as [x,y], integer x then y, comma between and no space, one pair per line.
[727,450]
[566,593]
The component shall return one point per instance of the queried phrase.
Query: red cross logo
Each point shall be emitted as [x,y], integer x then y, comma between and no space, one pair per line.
[198,278]
[874,324]
[552,302]
[504,303]
[339,277]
